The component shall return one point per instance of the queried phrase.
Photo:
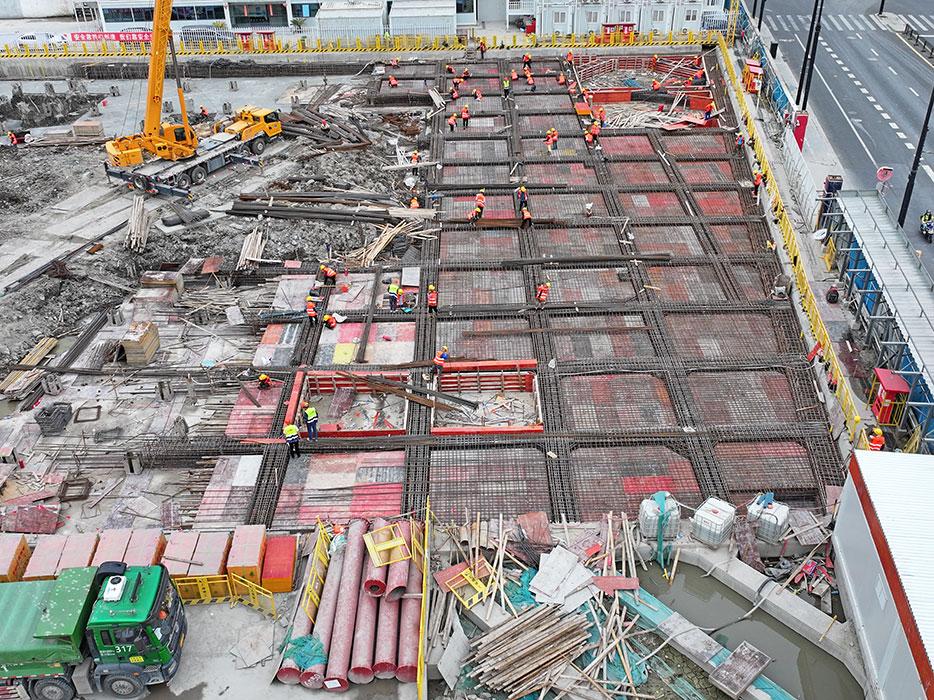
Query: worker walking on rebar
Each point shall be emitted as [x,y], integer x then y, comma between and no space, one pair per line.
[311,309]
[482,49]
[523,196]
[506,87]
[454,93]
[480,199]
[393,82]
[432,299]
[588,137]
[740,139]
[756,183]
[330,321]
[465,116]
[527,61]
[513,75]
[601,115]
[526,218]
[569,58]
[465,73]
[549,142]
[263,381]
[437,364]
[595,128]
[653,62]
[329,274]
[393,291]
[311,420]
[452,122]
[449,68]
[541,293]
[709,110]
[656,86]
[475,215]
[876,440]
[292,439]
[477,94]
[530,81]
[562,78]
[414,158]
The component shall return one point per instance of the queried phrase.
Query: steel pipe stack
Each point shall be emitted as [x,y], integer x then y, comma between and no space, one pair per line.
[398,576]
[374,577]
[313,676]
[345,616]
[409,620]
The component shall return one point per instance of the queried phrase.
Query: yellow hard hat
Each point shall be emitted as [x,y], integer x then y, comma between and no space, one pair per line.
[264,376]
[444,347]
[327,316]
[547,284]
[321,267]
[309,298]
[431,287]
[877,430]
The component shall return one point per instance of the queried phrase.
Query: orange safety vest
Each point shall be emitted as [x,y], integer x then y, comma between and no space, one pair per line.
[595,129]
[392,81]
[480,200]
[449,68]
[656,85]
[432,299]
[465,113]
[757,179]
[477,93]
[570,57]
[454,94]
[514,75]
[541,293]
[413,203]
[440,357]
[415,156]
[311,310]
[588,137]
[526,214]
[530,80]
[329,272]
[876,443]
[452,120]
[331,322]
[562,79]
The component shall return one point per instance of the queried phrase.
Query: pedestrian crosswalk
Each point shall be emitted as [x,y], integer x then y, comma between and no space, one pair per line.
[850,24]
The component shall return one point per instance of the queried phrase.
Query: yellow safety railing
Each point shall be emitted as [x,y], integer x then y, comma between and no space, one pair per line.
[318,569]
[844,394]
[421,555]
[224,588]
[252,595]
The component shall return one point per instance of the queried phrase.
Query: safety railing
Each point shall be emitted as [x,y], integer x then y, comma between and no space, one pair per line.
[318,568]
[421,555]
[844,395]
[919,42]
[225,588]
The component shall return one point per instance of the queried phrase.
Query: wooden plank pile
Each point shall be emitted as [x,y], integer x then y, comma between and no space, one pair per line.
[339,134]
[333,205]
[140,343]
[138,226]
[18,383]
[251,254]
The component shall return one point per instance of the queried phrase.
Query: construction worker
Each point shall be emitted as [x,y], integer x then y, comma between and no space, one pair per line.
[700,77]
[549,142]
[465,73]
[740,139]
[876,440]
[204,111]
[329,273]
[927,217]
[414,158]
[413,203]
[452,122]
[475,215]
[554,135]
[588,137]
[292,439]
[400,300]
[523,194]
[449,68]
[570,58]
[756,182]
[325,127]
[541,293]
[698,61]
[526,71]
[311,309]
[530,81]
[709,110]
[506,86]
[264,382]
[311,420]
[454,93]
[465,116]
[330,321]
[437,364]
[432,299]
[656,86]
[562,78]
[393,291]
[393,82]
[526,218]
[477,94]
[595,128]
[513,75]
[482,49]
[480,199]
[527,61]
[601,115]
[394,62]
[653,62]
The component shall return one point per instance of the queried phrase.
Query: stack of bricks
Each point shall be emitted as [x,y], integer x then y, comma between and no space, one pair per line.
[14,557]
[79,551]
[43,563]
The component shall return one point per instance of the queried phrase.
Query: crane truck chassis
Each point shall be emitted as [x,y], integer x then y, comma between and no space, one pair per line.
[112,628]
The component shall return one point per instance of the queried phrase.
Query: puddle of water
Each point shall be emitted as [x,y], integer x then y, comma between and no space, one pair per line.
[800,667]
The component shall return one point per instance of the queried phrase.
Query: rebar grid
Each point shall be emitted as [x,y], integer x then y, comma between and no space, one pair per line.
[486,345]
[707,172]
[638,173]
[564,172]
[601,338]
[479,245]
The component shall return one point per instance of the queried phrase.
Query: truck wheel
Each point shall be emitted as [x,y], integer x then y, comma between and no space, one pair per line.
[258,145]
[183,181]
[123,686]
[52,689]
[198,174]
[140,182]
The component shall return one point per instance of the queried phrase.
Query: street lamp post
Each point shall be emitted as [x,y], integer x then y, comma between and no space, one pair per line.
[807,52]
[909,188]
[814,45]
[761,14]
[881,7]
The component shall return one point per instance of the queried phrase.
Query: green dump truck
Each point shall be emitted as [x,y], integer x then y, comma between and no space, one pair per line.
[112,628]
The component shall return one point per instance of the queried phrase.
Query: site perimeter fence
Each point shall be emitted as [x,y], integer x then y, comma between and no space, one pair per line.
[845,398]
[285,44]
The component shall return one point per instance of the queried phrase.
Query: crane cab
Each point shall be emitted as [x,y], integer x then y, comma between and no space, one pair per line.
[172,142]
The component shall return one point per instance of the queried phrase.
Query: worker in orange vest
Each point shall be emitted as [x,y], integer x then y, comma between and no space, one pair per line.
[653,61]
[329,273]
[570,57]
[513,75]
[413,203]
[876,440]
[465,73]
[549,142]
[656,86]
[523,195]
[475,215]
[710,109]
[452,122]
[465,116]
[530,81]
[263,381]
[394,62]
[311,309]
[414,158]
[449,68]
[480,199]
[330,321]
[482,49]
[527,60]
[477,94]
[393,82]
[554,135]
[562,78]
[440,358]
[601,115]
[526,217]
[541,293]
[588,137]
[699,76]
[595,129]
[432,298]
[454,93]
[756,182]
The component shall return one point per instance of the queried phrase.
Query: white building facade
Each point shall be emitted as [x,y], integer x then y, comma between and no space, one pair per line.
[585,16]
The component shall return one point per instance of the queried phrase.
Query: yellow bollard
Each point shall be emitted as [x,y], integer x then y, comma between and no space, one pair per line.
[514,41]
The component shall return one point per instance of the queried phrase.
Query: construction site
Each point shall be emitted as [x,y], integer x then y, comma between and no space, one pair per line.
[468,455]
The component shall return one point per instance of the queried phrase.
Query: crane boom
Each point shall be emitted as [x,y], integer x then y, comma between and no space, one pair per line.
[161,36]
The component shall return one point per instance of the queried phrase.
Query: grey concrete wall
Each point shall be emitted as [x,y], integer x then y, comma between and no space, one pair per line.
[16,9]
[869,604]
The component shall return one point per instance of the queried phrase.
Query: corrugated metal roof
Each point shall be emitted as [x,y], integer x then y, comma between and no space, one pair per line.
[891,479]
[423,8]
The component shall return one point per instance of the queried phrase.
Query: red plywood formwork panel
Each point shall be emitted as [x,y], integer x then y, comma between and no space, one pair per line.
[481,244]
[497,207]
[488,84]
[480,287]
[596,403]
[733,238]
[638,173]
[572,242]
[497,347]
[764,466]
[179,552]
[479,123]
[600,284]
[570,347]
[638,204]
[279,563]
[14,556]
[43,564]
[527,102]
[560,173]
[686,283]
[635,145]
[473,151]
[112,545]
[510,481]
[474,174]
[569,146]
[486,105]
[557,206]
[706,172]
[714,336]
[750,282]
[676,240]
[742,398]
[619,478]
[567,124]
[388,343]
[720,203]
[145,547]
[697,143]
[248,419]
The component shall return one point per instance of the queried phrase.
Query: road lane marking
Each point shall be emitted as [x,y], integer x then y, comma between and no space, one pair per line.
[910,146]
[830,19]
[833,55]
[871,98]
[851,76]
[892,69]
[846,116]
[874,53]
[792,23]
[782,22]
[901,135]
[845,23]
[927,169]
[885,115]
[770,23]
[914,92]
[893,125]
[864,91]
[916,21]
[844,68]
[879,23]
[878,107]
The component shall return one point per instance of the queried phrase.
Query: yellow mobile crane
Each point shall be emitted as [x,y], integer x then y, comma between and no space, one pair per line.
[179,160]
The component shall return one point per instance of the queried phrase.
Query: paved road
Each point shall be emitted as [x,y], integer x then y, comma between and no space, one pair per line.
[870,91]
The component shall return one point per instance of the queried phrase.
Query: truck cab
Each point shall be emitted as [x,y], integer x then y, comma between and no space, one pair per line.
[253,124]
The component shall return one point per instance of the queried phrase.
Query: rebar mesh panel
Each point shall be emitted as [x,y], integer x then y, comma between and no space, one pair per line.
[405,86]
[741,398]
[559,173]
[576,241]
[606,284]
[597,403]
[564,123]
[686,283]
[498,206]
[488,84]
[612,478]
[540,68]
[765,466]
[713,336]
[482,244]
[474,174]
[476,69]
[488,347]
[629,145]
[596,339]
[480,287]
[387,343]
[484,106]
[677,240]
[489,482]
[733,238]
[725,203]
[651,204]
[478,124]
[638,173]
[567,147]
[529,102]
[707,171]
[468,151]
[750,282]
[565,205]
[696,144]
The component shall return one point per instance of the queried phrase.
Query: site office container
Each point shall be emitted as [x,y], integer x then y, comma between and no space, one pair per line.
[340,19]
[430,18]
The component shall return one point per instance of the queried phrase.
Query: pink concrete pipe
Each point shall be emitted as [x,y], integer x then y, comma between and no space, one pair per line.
[289,673]
[374,577]
[361,659]
[387,639]
[398,575]
[313,676]
[409,619]
[345,617]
